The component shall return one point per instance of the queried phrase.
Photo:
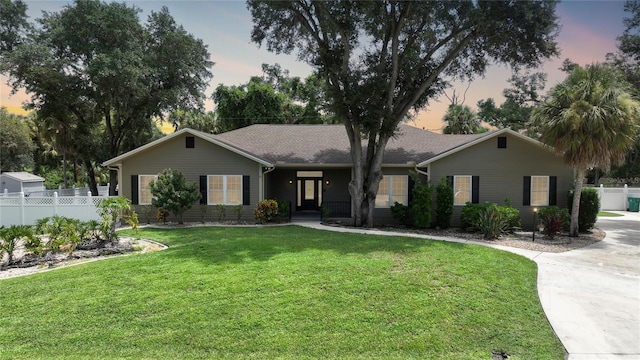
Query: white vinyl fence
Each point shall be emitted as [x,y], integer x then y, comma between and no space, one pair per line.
[26,210]
[616,198]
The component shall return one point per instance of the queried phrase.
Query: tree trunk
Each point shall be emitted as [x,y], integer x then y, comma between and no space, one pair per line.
[575,207]
[64,169]
[91,178]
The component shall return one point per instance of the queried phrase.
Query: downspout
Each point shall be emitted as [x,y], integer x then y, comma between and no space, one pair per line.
[262,179]
[425,173]
[117,169]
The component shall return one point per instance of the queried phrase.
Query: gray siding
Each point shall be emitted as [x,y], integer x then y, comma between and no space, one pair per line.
[204,159]
[501,172]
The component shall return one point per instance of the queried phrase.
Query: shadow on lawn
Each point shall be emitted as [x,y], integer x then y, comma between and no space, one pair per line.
[218,245]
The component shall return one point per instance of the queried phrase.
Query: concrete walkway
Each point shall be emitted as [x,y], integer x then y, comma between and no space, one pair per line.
[591,296]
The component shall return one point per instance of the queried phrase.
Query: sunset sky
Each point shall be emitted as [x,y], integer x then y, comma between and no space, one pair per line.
[588,32]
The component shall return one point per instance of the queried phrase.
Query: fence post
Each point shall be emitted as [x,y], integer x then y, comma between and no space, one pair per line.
[601,192]
[626,197]
[55,203]
[21,208]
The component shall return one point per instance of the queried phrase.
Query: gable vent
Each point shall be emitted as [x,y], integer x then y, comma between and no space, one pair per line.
[502,142]
[190,142]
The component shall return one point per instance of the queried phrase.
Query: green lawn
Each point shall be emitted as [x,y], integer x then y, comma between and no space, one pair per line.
[608,214]
[281,293]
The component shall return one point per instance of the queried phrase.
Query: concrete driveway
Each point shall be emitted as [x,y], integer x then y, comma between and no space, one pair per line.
[592,295]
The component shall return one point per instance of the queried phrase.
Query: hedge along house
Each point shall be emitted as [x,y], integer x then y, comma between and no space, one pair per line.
[310,167]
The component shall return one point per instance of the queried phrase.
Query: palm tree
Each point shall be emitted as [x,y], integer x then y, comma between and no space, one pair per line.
[461,120]
[590,119]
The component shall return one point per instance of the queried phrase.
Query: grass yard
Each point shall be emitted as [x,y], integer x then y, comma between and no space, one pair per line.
[608,214]
[282,292]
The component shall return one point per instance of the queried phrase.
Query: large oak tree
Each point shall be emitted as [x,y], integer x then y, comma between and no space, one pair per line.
[95,64]
[383,59]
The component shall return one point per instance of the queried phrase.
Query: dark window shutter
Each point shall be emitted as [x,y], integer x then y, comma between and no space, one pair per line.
[475,189]
[203,189]
[553,188]
[450,180]
[502,142]
[526,190]
[134,190]
[246,190]
[190,142]
[410,186]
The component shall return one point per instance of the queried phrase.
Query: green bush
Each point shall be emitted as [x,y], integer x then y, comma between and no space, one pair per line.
[421,204]
[471,214]
[491,222]
[444,204]
[283,209]
[402,213]
[266,211]
[512,217]
[9,237]
[589,208]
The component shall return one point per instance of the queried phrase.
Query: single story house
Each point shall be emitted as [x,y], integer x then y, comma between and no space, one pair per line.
[310,166]
[15,182]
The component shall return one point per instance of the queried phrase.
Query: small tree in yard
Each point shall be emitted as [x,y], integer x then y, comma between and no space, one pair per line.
[444,204]
[421,204]
[172,192]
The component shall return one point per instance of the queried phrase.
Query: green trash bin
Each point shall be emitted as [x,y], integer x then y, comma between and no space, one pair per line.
[634,204]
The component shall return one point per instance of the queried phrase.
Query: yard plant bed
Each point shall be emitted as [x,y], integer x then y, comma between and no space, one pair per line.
[282,292]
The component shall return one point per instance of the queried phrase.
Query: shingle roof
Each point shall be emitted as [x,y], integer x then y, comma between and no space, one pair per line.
[329,144]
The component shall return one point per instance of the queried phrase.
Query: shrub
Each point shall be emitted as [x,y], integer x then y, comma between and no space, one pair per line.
[162,214]
[553,225]
[238,210]
[402,213]
[113,210]
[221,210]
[554,214]
[512,217]
[266,211]
[172,192]
[471,214]
[589,208]
[9,237]
[444,204]
[491,222]
[421,204]
[283,210]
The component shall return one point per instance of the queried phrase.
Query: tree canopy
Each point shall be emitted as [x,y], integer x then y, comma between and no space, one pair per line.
[520,99]
[591,119]
[96,65]
[16,147]
[381,59]
[273,98]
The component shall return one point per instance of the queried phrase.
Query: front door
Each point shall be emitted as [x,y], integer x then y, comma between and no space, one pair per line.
[309,193]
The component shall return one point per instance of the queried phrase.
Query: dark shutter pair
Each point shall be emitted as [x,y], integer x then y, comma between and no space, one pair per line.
[526,190]
[475,188]
[246,190]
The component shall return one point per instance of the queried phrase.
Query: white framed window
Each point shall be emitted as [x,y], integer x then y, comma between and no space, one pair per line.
[393,189]
[539,191]
[144,190]
[461,189]
[224,189]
